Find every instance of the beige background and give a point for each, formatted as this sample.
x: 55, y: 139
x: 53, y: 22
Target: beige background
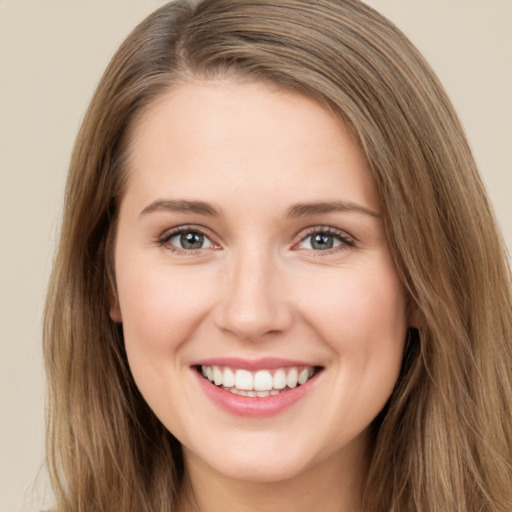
x: 52, y: 53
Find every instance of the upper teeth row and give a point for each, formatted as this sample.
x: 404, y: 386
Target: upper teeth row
x: 262, y: 380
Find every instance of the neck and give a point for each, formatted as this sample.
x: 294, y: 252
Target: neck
x: 333, y: 484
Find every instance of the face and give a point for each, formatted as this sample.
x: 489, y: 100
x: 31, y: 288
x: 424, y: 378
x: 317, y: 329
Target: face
x: 263, y: 317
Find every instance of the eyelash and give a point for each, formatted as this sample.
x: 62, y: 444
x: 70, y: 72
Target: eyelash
x: 164, y: 240
x: 346, y: 241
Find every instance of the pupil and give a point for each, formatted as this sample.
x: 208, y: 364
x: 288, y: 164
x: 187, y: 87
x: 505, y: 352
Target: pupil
x: 192, y: 240
x: 322, y: 242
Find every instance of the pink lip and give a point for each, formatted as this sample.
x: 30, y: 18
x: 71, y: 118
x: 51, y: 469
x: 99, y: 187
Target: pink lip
x: 265, y: 363
x: 253, y: 406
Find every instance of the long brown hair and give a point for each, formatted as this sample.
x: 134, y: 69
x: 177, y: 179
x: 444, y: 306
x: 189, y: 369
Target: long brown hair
x: 444, y: 441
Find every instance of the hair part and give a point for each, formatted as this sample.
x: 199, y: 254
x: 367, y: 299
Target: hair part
x: 444, y: 441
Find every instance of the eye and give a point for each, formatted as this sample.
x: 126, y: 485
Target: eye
x: 186, y: 239
x: 325, y: 239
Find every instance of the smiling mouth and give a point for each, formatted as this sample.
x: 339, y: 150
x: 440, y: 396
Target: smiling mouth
x: 261, y: 383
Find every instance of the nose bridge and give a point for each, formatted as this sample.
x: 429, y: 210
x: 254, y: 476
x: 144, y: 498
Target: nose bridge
x: 254, y: 301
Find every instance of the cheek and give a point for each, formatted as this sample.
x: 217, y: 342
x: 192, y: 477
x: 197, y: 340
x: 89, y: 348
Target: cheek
x: 363, y: 320
x: 358, y: 300
x: 161, y: 308
x: 361, y: 314
x: 161, y: 305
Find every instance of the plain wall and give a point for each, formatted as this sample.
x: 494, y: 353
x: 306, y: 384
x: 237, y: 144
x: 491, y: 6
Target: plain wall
x: 51, y: 56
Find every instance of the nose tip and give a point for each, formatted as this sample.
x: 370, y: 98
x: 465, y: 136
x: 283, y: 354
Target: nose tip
x: 254, y: 303
x: 252, y: 321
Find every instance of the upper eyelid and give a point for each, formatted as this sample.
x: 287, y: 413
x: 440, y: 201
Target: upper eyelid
x: 164, y: 241
x: 304, y: 233
x: 168, y: 233
x: 325, y: 229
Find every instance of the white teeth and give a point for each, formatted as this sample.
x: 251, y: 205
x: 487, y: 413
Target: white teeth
x: 217, y: 376
x: 244, y: 380
x: 292, y: 378
x: 263, y: 381
x: 228, y: 378
x: 303, y: 376
x: 259, y: 384
x: 279, y: 380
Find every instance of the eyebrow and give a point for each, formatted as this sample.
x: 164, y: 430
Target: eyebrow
x: 181, y: 206
x: 308, y: 209
x: 295, y: 211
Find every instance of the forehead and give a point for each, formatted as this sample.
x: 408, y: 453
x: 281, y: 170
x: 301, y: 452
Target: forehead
x: 245, y: 135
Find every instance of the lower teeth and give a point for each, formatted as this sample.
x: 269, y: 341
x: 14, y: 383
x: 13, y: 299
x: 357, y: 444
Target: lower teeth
x: 259, y: 394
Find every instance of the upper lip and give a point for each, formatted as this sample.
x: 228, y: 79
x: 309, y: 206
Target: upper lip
x: 264, y: 363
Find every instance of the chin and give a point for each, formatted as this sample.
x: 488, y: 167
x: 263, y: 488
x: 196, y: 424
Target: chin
x: 250, y: 456
x: 271, y: 469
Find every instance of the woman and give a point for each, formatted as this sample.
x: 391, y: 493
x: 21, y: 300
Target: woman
x: 279, y: 282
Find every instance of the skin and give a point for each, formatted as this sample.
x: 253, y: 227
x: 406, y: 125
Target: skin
x: 258, y: 288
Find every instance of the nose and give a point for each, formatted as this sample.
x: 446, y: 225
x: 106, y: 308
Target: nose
x: 255, y: 303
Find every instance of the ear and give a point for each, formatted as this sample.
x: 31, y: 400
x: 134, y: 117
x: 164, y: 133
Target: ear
x: 115, y: 314
x: 115, y: 310
x: 106, y: 248
x: 416, y: 319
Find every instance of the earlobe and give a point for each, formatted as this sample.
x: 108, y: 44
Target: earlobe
x: 115, y: 314
x: 115, y: 310
x: 415, y: 319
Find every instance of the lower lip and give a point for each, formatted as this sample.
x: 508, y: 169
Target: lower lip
x: 253, y: 406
